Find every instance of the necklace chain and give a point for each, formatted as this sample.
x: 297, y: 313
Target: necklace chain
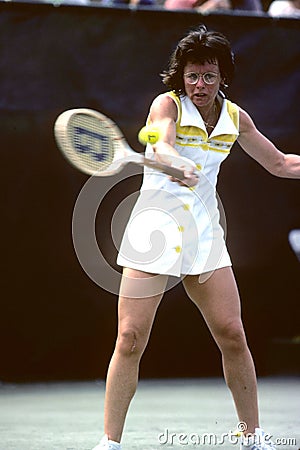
x: 207, y: 125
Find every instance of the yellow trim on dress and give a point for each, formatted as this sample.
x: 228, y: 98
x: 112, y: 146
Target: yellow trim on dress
x: 191, y: 136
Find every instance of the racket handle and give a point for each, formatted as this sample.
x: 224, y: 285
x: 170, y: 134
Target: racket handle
x: 168, y: 170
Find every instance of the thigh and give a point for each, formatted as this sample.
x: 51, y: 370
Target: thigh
x: 140, y: 295
x: 217, y: 299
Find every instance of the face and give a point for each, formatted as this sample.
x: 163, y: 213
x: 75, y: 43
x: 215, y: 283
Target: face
x: 201, y: 93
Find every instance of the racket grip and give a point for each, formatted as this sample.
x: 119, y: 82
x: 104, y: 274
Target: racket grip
x: 168, y: 170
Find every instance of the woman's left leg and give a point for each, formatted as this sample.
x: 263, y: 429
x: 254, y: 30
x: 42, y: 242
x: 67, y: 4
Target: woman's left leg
x: 218, y: 301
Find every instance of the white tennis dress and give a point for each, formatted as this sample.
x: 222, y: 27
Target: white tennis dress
x: 173, y: 229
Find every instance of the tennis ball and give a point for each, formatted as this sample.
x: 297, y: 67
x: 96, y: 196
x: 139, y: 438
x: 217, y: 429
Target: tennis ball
x: 148, y: 135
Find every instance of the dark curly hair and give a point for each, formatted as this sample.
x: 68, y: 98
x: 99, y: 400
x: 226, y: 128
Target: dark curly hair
x: 199, y: 46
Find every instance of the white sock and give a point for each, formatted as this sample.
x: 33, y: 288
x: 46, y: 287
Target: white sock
x: 256, y: 438
x: 114, y: 444
x: 248, y: 441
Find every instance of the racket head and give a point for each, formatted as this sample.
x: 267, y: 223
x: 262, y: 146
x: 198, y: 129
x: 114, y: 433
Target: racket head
x: 89, y: 140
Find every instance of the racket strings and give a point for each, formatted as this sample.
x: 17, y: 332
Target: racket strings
x: 92, y: 141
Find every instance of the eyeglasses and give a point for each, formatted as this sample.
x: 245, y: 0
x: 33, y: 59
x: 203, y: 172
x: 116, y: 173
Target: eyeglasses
x: 207, y: 77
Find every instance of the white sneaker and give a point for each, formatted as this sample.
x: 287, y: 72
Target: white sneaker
x: 107, y: 444
x: 257, y: 441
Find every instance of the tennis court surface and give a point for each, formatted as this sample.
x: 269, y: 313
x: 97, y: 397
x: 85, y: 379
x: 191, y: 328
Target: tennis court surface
x: 165, y: 414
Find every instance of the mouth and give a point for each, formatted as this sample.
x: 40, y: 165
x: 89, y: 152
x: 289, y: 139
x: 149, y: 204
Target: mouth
x: 200, y: 95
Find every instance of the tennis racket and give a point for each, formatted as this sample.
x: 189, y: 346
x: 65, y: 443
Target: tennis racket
x: 94, y: 144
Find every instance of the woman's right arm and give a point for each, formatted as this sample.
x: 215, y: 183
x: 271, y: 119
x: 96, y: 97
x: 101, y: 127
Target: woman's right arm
x: 163, y: 116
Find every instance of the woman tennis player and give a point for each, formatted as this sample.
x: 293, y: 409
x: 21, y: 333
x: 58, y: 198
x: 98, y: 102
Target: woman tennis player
x: 174, y: 228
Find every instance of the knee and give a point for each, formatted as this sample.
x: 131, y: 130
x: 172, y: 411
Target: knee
x: 231, y: 338
x: 130, y: 343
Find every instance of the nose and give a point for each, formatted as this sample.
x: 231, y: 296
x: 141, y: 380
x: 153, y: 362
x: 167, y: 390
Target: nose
x: 200, y: 82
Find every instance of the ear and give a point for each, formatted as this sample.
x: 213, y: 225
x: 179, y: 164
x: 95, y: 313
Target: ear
x: 223, y: 83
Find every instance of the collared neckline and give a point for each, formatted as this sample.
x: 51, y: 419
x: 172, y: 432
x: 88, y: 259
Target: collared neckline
x: 191, y: 117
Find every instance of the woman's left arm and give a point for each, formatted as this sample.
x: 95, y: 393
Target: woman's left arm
x: 264, y: 151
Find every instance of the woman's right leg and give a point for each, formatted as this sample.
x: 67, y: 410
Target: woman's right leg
x: 140, y: 295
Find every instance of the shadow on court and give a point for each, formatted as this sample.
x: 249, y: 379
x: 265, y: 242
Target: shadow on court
x: 165, y: 414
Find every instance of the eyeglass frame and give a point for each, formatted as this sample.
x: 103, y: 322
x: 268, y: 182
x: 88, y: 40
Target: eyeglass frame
x: 201, y: 75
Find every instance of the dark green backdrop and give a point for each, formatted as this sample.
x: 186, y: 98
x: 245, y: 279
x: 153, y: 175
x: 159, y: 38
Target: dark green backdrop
x: 54, y: 321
